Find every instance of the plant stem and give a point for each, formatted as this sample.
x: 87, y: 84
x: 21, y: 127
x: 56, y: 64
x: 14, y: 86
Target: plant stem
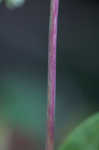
x: 52, y: 73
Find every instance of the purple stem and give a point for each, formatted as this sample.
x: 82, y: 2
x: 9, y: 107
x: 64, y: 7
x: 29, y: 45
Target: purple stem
x: 52, y: 73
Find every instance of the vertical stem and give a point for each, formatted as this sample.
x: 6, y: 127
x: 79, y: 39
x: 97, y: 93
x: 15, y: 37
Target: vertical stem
x: 52, y: 73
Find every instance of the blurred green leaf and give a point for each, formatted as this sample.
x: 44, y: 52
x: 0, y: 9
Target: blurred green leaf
x: 13, y: 3
x: 22, y: 103
x: 85, y: 137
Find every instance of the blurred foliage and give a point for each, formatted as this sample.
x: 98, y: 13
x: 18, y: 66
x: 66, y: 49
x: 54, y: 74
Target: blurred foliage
x: 85, y: 137
x: 22, y: 103
x: 13, y: 3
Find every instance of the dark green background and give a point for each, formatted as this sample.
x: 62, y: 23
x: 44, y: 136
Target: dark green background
x: 23, y: 64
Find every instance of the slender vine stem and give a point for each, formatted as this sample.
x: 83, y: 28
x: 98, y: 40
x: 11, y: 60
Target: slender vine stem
x: 52, y: 73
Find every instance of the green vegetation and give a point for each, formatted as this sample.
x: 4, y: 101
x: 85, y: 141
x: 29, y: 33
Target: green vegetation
x: 13, y: 3
x: 85, y: 137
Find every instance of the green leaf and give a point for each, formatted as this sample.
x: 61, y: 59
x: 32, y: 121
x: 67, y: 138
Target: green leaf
x: 14, y: 3
x: 85, y: 137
